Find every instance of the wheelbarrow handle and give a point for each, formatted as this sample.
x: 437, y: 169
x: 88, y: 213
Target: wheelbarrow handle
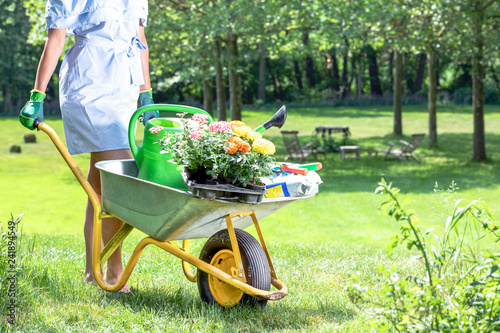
x: 56, y: 140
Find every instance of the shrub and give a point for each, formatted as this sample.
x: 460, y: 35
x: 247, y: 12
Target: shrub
x: 457, y: 289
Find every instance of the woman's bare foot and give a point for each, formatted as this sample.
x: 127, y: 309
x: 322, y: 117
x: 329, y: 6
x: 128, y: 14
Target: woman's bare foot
x: 112, y: 280
x: 89, y: 278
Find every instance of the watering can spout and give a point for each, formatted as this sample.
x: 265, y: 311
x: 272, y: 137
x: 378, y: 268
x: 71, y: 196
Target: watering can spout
x: 277, y: 120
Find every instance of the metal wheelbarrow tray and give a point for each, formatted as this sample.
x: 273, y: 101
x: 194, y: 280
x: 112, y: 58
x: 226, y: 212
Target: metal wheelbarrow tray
x: 233, y: 267
x: 165, y: 213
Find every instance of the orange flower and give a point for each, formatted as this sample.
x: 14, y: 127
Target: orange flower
x: 244, y: 147
x: 231, y: 148
x: 235, y: 144
x: 234, y: 139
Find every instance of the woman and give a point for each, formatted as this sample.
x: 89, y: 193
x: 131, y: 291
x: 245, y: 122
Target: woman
x: 100, y: 79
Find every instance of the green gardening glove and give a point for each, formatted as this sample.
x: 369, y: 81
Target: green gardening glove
x: 146, y: 97
x: 32, y: 110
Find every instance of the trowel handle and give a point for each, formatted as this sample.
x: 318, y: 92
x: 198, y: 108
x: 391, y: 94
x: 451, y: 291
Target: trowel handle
x: 278, y: 119
x: 158, y: 107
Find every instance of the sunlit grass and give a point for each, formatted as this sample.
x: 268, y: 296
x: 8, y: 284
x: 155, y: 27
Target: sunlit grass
x: 38, y: 182
x: 317, y: 245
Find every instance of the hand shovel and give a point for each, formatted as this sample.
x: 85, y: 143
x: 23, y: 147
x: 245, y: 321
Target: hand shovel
x: 277, y: 120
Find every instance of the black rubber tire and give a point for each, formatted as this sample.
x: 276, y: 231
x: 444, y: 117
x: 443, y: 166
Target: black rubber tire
x: 255, y: 264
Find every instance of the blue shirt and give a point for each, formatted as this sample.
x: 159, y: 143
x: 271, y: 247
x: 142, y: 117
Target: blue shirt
x: 100, y: 75
x: 72, y: 14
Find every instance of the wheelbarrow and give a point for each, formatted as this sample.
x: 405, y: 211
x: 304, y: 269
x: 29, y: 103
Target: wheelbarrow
x: 233, y: 267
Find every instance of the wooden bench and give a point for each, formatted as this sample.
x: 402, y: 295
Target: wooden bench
x: 349, y: 149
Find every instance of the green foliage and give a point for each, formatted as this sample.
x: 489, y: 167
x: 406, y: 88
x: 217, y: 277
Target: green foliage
x: 455, y: 288
x: 181, y: 35
x: 19, y: 56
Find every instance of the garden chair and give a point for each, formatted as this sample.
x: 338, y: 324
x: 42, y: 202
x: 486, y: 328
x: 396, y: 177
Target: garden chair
x: 404, y: 151
x: 295, y: 150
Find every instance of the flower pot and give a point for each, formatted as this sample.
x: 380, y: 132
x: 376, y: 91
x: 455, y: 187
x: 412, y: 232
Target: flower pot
x: 222, y: 188
x: 199, y: 175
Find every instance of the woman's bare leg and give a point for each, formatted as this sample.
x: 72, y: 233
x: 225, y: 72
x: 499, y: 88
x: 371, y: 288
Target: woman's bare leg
x: 110, y: 226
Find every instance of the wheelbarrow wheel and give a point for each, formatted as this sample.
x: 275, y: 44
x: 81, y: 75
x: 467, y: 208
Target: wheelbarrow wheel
x: 218, y: 252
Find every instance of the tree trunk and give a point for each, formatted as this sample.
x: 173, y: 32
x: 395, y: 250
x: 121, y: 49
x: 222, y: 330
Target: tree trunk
x: 432, y: 94
x: 281, y: 94
x: 261, y: 95
x: 398, y: 94
x: 309, y: 63
x: 273, y: 79
x: 219, y: 81
x: 179, y: 91
x: 495, y: 78
x: 335, y: 71
x: 371, y: 55
x: 420, y: 73
x: 359, y: 77
x: 208, y: 99
x: 234, y: 77
x: 298, y: 74
x: 390, y: 76
x: 345, y: 84
x: 478, y: 146
x: 7, y: 101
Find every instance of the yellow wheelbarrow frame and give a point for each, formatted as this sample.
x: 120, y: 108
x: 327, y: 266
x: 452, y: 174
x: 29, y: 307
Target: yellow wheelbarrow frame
x: 235, y: 279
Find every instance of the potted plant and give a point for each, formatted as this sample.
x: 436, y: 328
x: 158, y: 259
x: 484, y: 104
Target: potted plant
x: 220, y: 151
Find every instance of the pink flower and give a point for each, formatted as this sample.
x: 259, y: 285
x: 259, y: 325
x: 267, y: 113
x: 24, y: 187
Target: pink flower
x: 155, y: 129
x: 220, y: 127
x: 195, y: 134
x: 201, y: 118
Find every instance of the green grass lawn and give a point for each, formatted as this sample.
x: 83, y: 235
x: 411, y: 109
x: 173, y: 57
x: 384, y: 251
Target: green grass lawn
x: 316, y: 245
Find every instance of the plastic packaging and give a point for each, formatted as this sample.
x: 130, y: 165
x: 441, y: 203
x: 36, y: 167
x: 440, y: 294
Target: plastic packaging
x: 291, y: 185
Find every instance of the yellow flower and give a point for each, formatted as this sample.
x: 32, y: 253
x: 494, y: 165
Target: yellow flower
x: 236, y: 123
x: 264, y: 147
x: 242, y: 131
x: 252, y: 136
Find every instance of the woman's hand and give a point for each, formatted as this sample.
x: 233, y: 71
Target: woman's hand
x: 33, y: 109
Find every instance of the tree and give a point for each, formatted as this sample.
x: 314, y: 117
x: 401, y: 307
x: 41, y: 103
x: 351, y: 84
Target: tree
x: 394, y: 19
x: 476, y: 23
x: 429, y: 26
x: 371, y: 55
x: 19, y: 56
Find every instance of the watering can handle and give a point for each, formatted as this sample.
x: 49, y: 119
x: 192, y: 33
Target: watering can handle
x: 158, y: 107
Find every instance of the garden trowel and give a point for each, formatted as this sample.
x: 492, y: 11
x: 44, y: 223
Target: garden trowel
x: 277, y: 120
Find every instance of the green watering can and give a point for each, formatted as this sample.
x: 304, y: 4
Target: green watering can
x: 153, y: 165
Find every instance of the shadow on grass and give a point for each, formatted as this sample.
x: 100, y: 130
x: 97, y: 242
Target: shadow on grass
x: 276, y: 315
x: 86, y: 306
x: 52, y: 295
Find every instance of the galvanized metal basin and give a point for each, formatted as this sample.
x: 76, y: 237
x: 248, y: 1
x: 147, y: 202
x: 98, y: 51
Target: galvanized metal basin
x: 166, y: 213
